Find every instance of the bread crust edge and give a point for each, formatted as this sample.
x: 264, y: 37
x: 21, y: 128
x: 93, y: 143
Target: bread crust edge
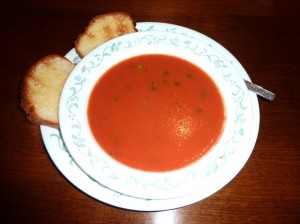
x: 26, y: 104
x: 84, y: 32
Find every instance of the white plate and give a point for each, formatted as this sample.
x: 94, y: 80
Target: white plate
x: 68, y: 167
x: 74, y: 125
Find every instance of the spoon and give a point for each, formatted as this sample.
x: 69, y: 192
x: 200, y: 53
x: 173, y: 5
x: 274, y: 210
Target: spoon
x: 260, y: 91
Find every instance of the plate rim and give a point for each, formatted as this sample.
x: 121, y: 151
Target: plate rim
x: 252, y: 97
x: 154, y: 185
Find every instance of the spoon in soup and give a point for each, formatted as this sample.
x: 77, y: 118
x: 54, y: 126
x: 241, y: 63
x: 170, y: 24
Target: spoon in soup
x: 266, y: 94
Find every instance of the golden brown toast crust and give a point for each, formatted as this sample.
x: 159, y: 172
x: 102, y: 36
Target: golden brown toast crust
x: 41, y: 88
x: 42, y: 85
x: 103, y: 28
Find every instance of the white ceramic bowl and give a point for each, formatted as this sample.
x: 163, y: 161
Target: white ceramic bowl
x: 152, y: 185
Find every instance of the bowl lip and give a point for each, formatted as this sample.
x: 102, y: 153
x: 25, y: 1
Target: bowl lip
x: 139, y: 173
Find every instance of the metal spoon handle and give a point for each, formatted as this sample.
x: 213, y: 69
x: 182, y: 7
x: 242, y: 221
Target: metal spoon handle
x: 260, y: 91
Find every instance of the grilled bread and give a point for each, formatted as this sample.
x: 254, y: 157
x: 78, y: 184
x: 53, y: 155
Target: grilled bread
x: 42, y: 85
x: 103, y: 28
x: 41, y: 89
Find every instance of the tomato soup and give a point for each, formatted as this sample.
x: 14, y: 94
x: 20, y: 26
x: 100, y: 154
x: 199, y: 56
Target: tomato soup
x: 156, y: 112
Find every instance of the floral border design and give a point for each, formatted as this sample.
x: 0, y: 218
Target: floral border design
x: 150, y: 39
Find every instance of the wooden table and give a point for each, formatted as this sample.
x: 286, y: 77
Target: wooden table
x: 263, y: 35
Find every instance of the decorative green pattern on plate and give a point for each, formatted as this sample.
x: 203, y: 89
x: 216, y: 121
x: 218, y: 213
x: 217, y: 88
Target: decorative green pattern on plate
x: 77, y: 137
x: 94, y: 189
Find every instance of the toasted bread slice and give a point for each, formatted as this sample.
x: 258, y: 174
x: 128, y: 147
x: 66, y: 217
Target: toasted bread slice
x: 103, y: 28
x: 41, y: 89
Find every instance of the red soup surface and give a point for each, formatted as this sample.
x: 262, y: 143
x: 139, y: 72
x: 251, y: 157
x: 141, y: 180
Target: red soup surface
x: 156, y: 112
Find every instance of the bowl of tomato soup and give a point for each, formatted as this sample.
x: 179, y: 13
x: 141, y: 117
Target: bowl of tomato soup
x: 156, y: 112
x: 147, y: 114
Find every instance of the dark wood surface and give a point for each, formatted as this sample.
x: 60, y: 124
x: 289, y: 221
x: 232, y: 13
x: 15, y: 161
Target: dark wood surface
x: 262, y: 34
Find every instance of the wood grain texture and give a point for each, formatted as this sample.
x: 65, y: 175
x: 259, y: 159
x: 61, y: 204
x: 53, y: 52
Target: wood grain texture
x: 262, y: 34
